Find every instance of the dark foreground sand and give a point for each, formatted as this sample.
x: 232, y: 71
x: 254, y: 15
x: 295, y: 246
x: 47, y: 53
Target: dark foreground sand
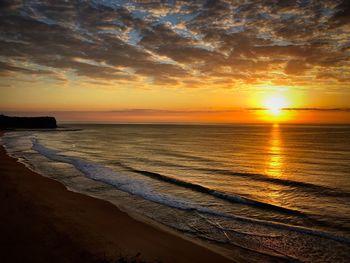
x: 41, y: 221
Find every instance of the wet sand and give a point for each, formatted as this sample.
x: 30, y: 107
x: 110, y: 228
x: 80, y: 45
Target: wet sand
x: 41, y: 221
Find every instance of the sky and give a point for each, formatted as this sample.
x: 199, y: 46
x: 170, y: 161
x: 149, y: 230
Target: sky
x: 222, y: 61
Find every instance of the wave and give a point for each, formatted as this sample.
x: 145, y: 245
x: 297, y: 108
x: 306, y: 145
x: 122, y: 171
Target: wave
x: 234, y: 198
x: 142, y: 189
x: 224, y: 196
x: 124, y: 183
x: 297, y: 185
x: 317, y: 189
x: 301, y: 186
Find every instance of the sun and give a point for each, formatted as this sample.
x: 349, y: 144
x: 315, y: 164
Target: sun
x: 275, y: 104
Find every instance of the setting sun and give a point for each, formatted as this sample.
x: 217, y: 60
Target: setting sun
x: 275, y: 104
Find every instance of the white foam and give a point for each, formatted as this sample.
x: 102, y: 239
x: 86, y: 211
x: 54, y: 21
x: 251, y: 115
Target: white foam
x: 124, y: 183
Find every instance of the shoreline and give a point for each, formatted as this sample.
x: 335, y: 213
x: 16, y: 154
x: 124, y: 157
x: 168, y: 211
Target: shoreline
x: 43, y: 221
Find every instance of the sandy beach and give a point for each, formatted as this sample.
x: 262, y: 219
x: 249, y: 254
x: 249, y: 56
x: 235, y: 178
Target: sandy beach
x: 42, y: 221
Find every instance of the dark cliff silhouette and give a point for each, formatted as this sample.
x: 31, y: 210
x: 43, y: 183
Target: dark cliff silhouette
x: 7, y: 122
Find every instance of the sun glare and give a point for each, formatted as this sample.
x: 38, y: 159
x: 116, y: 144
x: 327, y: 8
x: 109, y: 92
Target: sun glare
x: 275, y: 104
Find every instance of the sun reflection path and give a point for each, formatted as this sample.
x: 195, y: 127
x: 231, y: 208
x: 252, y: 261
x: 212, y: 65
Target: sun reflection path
x: 274, y: 167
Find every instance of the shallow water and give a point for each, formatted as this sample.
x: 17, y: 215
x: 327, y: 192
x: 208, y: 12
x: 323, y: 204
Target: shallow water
x: 265, y: 192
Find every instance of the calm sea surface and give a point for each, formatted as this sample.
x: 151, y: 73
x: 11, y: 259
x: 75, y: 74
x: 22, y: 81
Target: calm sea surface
x: 265, y: 192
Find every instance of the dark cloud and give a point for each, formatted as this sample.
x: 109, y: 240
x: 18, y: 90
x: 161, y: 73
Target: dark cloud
x: 342, y: 14
x: 296, y: 67
x: 181, y: 42
x: 7, y: 69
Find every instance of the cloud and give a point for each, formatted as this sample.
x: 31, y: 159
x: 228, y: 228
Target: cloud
x: 296, y: 67
x: 342, y: 15
x: 179, y: 42
x: 319, y: 109
x: 7, y: 68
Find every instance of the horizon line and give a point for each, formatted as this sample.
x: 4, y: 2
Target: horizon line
x: 150, y: 110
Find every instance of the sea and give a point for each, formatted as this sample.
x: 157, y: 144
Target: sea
x: 255, y: 193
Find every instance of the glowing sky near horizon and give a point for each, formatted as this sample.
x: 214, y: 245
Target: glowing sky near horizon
x: 205, y: 61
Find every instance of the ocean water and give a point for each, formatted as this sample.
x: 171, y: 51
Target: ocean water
x: 257, y: 193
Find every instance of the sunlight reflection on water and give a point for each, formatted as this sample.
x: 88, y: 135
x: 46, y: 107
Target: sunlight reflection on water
x: 275, y: 162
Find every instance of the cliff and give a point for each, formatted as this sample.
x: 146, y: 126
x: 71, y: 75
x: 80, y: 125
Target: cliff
x: 7, y: 122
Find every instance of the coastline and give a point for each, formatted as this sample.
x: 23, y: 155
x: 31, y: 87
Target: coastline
x: 42, y: 221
